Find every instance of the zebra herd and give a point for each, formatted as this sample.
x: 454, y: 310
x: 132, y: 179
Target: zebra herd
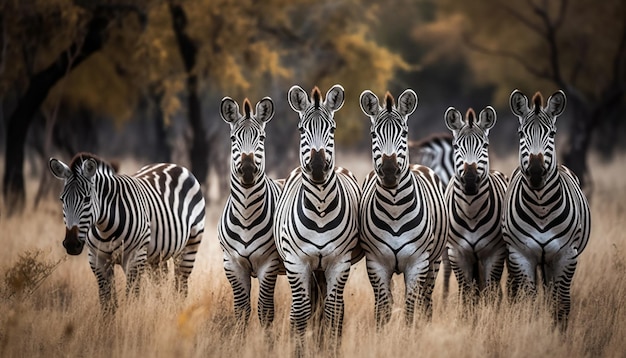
x: 312, y: 226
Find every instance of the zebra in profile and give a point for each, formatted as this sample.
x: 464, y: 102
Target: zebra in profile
x: 402, y: 212
x: 316, y: 223
x: 474, y: 199
x: 436, y: 152
x: 546, y: 219
x: 154, y: 215
x: 245, y: 227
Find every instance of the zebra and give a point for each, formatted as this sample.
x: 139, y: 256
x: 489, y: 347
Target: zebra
x: 402, y: 212
x: 154, y: 215
x: 474, y: 199
x: 316, y: 223
x: 436, y: 152
x: 245, y: 228
x: 546, y: 220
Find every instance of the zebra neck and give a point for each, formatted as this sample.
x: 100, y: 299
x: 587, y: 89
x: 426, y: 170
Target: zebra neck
x: 319, y: 197
x: 117, y: 195
x: 472, y: 203
x: 248, y: 199
x: 551, y: 191
x: 404, y: 188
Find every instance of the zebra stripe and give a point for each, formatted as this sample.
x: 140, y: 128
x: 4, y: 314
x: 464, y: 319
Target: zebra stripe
x: 316, y: 223
x: 245, y: 227
x: 436, y: 152
x: 474, y: 199
x: 546, y: 215
x: 402, y: 213
x: 150, y: 217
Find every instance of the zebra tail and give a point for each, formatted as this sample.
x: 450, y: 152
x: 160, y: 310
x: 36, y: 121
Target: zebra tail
x: 318, y: 295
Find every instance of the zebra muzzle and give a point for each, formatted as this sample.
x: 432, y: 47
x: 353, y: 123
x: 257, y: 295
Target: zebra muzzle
x: 72, y: 244
x: 318, y: 166
x: 470, y: 178
x: 389, y: 171
x: 536, y: 170
x: 247, y: 170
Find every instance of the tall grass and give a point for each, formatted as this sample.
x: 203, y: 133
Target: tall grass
x: 53, y: 308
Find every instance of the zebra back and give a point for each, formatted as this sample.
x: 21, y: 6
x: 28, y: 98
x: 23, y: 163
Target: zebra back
x: 435, y: 152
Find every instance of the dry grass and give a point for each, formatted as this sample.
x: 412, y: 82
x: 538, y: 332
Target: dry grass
x: 54, y: 311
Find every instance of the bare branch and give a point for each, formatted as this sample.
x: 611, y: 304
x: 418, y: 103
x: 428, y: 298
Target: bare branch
x: 519, y: 17
x: 521, y: 60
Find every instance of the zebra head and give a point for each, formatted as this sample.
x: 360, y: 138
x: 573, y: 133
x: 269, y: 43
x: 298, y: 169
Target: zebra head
x: 389, y: 130
x: 471, y: 145
x: 247, y: 135
x: 78, y: 198
x: 317, y: 129
x: 537, y: 129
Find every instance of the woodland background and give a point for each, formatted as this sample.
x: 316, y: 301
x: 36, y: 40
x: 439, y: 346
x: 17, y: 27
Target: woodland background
x: 143, y: 79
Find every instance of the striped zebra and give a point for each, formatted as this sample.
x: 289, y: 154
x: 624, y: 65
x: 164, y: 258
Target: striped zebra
x: 402, y: 212
x: 316, y: 223
x: 245, y: 227
x: 149, y: 217
x: 436, y: 152
x: 546, y: 219
x: 474, y: 199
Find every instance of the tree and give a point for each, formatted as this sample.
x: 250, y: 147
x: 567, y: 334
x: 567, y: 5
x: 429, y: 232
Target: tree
x: 576, y: 45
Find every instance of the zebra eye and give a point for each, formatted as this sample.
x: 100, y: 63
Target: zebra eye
x: 455, y: 146
x: 332, y: 130
x: 261, y: 137
x: 552, y: 134
x: 232, y: 138
x: 86, y: 199
x: 301, y: 129
x: 373, y: 135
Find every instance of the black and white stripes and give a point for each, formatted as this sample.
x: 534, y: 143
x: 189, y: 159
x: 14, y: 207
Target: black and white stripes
x: 316, y: 224
x: 402, y: 213
x: 245, y: 229
x: 474, y: 199
x: 546, y: 216
x: 150, y: 217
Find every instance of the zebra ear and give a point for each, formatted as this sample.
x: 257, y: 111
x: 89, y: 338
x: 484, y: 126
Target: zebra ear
x: 407, y: 102
x: 454, y: 119
x: 298, y: 99
x: 89, y: 168
x: 229, y: 110
x: 265, y: 110
x: 369, y: 103
x: 519, y: 103
x: 556, y: 103
x: 487, y: 119
x: 335, y: 98
x: 59, y: 169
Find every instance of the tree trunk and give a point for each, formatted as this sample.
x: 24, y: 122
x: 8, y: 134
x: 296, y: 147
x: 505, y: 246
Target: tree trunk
x: 199, y: 151
x: 37, y: 91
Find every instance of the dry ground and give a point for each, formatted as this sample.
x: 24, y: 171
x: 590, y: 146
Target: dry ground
x: 54, y: 311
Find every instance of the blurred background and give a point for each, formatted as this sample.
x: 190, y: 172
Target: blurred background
x: 143, y: 80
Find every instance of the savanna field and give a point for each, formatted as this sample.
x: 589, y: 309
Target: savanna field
x: 49, y: 303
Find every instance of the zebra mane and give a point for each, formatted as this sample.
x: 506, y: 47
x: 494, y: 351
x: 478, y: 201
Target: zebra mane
x: 538, y: 102
x: 247, y: 108
x: 389, y: 101
x: 79, y: 158
x: 317, y: 96
x: 470, y: 117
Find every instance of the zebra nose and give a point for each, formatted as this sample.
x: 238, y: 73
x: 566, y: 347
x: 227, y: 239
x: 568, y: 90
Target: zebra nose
x: 71, y: 243
x: 248, y: 169
x: 536, y: 170
x: 469, y: 179
x: 318, y: 165
x: 389, y: 170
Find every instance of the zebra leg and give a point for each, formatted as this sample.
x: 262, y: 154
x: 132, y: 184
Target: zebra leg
x: 419, y: 282
x: 299, y: 277
x: 559, y: 273
x: 336, y: 278
x: 522, y: 273
x: 267, y: 283
x: 103, y: 270
x: 493, y: 266
x: 447, y: 272
x: 134, y: 267
x: 183, y: 265
x: 464, y: 265
x: 240, y: 281
x: 380, y: 279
